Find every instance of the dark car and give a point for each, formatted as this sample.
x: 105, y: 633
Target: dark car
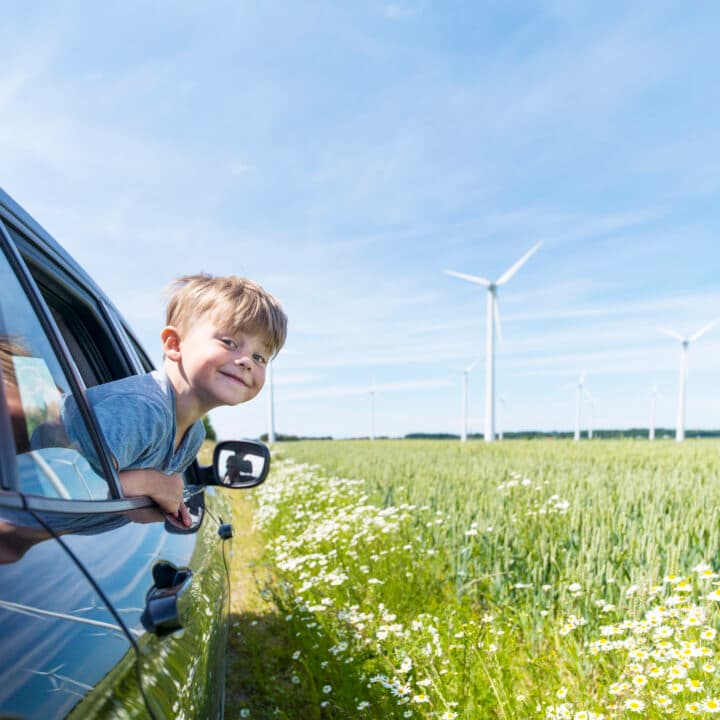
x: 106, y: 609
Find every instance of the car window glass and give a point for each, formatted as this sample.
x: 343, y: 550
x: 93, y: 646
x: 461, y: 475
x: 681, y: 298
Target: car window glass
x: 37, y: 392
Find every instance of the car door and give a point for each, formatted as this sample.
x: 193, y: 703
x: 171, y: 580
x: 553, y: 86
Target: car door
x: 165, y: 588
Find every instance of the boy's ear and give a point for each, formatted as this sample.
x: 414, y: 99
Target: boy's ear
x: 170, y: 338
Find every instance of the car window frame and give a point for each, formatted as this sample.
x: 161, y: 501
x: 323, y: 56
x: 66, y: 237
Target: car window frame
x: 11, y: 253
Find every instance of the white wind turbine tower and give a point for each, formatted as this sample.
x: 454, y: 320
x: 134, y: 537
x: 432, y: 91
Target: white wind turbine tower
x: 503, y: 402
x: 579, y: 391
x: 684, y: 345
x: 372, y: 410
x: 271, y: 404
x: 653, y: 406
x: 493, y: 319
x: 464, y: 400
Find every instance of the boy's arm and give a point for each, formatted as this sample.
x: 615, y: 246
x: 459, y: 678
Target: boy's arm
x: 165, y: 490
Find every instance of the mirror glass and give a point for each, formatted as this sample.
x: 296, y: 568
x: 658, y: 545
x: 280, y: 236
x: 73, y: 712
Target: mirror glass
x: 240, y: 464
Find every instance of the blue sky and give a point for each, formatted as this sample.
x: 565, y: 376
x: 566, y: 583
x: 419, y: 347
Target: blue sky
x: 344, y: 154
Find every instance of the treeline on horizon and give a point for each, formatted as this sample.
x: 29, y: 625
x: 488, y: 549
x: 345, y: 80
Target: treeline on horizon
x: 634, y: 433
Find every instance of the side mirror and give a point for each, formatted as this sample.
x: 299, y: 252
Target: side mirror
x: 240, y: 463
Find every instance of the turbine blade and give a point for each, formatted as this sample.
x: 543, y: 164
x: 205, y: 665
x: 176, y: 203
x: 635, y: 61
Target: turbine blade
x: 498, y: 324
x: 472, y: 365
x: 703, y: 330
x: 672, y: 334
x: 470, y: 278
x: 514, y: 268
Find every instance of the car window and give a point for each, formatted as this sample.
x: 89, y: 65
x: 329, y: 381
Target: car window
x: 36, y: 391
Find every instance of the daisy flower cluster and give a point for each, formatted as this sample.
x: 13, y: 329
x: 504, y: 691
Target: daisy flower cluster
x: 665, y: 661
x: 334, y: 554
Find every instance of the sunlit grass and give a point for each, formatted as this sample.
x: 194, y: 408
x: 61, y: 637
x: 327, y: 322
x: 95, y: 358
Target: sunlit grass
x: 432, y: 579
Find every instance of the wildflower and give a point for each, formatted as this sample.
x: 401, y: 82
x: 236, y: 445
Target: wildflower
x: 711, y: 705
x: 244, y: 712
x: 675, y: 688
x: 677, y: 672
x: 634, y: 705
x: 420, y: 698
x: 561, y: 693
x: 363, y: 705
x: 662, y: 701
x: 327, y: 689
x: 708, y: 634
x: 708, y: 668
x: 448, y: 715
x: 694, y: 685
x: 295, y: 680
x: 692, y: 708
x: 639, y: 681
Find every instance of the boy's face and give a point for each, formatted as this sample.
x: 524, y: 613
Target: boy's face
x: 222, y: 367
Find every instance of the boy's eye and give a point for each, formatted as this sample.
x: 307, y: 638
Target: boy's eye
x: 228, y: 342
x: 259, y: 359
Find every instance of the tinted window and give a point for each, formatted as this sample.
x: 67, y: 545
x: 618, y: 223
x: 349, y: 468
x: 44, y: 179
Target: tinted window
x: 36, y: 390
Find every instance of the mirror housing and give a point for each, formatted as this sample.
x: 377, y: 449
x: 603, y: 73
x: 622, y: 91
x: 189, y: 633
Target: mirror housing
x: 240, y: 463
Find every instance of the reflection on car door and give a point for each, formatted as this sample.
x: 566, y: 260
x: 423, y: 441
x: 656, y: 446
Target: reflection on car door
x: 58, y: 639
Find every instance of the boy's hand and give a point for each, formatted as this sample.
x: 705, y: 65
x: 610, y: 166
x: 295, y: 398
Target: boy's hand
x: 165, y: 490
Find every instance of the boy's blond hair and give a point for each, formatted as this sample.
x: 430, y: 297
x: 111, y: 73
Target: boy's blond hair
x: 231, y: 301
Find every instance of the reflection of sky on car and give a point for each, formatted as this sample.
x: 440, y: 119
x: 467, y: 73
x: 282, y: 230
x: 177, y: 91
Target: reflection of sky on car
x: 46, y: 631
x: 36, y: 385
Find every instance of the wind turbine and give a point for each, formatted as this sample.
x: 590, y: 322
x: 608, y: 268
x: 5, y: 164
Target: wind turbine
x: 579, y: 388
x: 503, y: 402
x: 464, y: 399
x: 684, y: 345
x: 493, y: 319
x: 653, y: 405
x: 271, y: 405
x: 372, y: 410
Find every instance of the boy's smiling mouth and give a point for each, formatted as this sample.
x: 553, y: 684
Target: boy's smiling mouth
x: 236, y: 378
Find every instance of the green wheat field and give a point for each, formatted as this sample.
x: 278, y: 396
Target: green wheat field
x: 536, y: 579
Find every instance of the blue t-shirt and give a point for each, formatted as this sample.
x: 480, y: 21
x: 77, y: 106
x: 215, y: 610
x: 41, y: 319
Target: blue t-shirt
x: 137, y: 418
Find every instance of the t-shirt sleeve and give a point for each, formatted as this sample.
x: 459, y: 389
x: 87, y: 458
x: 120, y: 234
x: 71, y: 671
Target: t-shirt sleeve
x: 133, y: 426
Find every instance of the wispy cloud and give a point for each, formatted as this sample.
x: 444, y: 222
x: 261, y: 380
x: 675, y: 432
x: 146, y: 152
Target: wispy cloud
x: 396, y: 11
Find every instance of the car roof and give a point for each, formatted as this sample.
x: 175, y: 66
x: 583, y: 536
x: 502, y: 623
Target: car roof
x: 41, y: 238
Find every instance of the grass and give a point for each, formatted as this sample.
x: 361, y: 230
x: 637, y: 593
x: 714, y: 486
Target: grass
x: 438, y: 580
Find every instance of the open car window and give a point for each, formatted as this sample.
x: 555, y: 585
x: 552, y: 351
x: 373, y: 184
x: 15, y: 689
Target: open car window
x: 37, y: 390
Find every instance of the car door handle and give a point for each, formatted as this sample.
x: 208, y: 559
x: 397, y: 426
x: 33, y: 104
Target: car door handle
x: 161, y: 615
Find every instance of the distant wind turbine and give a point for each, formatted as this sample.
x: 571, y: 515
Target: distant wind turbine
x: 464, y: 400
x: 503, y: 402
x: 684, y: 345
x: 653, y: 406
x: 493, y: 320
x: 271, y: 405
x: 579, y: 386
